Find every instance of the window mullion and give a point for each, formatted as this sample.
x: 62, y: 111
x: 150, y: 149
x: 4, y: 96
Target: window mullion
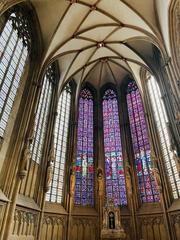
x: 156, y: 99
x: 12, y: 82
x: 9, y: 63
x: 7, y: 42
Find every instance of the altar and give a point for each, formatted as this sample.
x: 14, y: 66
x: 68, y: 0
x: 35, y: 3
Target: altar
x: 112, y: 228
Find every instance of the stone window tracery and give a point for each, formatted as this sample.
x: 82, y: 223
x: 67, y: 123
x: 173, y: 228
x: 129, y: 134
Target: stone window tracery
x: 114, y: 166
x: 141, y: 145
x: 161, y: 119
x: 42, y: 113
x: 84, y: 189
x: 15, y: 45
x: 55, y: 194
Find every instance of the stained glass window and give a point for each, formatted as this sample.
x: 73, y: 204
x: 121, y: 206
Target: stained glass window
x: 161, y: 123
x: 41, y: 115
x: 55, y: 194
x: 141, y: 145
x: 84, y: 192
x: 14, y: 46
x: 115, y: 179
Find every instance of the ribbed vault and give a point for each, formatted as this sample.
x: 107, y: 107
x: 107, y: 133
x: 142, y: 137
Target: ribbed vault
x: 94, y: 38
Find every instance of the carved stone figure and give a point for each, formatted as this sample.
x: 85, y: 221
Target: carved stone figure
x: 24, y: 165
x: 174, y: 149
x: 176, y: 109
x: 154, y: 159
x: 155, y: 173
x: 100, y: 182
x: 49, y: 171
x: 111, y: 220
x: 171, y: 138
x: 49, y: 175
x: 105, y: 218
x: 52, y: 154
x: 72, y: 182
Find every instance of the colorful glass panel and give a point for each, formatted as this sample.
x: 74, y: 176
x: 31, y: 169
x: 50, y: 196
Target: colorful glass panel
x: 84, y: 193
x: 141, y: 145
x: 115, y: 179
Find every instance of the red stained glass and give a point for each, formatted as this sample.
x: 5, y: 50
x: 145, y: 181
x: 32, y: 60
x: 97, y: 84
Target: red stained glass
x: 115, y: 180
x: 84, y: 192
x: 141, y: 146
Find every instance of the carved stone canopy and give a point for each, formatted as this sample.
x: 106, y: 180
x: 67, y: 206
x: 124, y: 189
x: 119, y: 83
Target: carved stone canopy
x: 112, y: 228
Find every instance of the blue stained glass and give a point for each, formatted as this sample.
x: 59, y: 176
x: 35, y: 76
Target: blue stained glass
x: 141, y: 146
x: 84, y: 192
x: 115, y: 179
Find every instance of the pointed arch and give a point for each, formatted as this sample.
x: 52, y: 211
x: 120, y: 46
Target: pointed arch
x: 15, y: 45
x: 162, y: 121
x: 114, y: 165
x: 84, y: 192
x: 55, y: 193
x: 141, y: 145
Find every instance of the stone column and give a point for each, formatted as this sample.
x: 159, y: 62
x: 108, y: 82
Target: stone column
x: 100, y: 177
x: 128, y: 158
x: 72, y: 171
x: 158, y: 168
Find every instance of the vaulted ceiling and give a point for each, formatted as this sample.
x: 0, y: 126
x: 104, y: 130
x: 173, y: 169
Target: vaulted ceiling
x: 100, y: 41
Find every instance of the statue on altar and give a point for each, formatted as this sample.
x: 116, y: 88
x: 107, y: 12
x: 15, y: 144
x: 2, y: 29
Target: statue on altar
x: 112, y: 228
x: 111, y: 220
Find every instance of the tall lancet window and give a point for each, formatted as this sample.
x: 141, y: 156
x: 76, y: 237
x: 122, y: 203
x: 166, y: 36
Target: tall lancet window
x: 55, y: 194
x: 84, y: 192
x: 42, y: 114
x: 15, y: 44
x: 115, y: 179
x: 141, y: 145
x: 161, y: 123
